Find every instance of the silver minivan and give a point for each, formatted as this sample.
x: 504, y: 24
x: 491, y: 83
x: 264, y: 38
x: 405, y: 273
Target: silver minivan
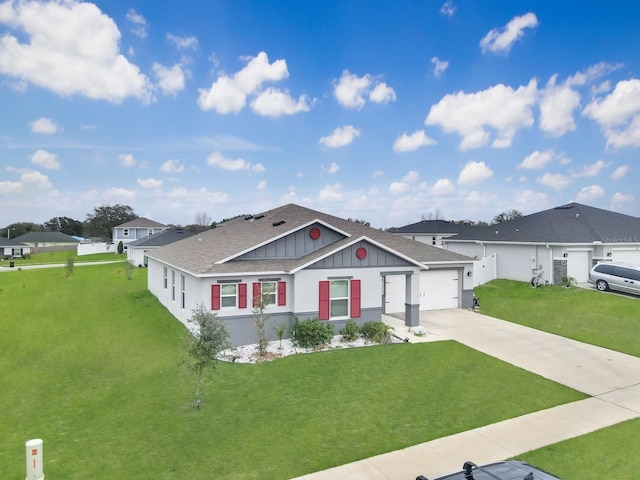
x: 623, y: 277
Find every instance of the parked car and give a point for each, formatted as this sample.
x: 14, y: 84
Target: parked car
x: 623, y: 277
x: 508, y: 470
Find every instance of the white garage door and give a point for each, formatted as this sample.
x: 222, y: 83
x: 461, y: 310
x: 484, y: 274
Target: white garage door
x: 394, y: 293
x: 439, y: 289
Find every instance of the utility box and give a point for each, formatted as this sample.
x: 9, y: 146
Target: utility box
x: 34, y: 459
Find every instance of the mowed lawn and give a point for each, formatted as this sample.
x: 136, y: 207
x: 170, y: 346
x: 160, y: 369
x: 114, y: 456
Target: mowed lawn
x: 91, y: 364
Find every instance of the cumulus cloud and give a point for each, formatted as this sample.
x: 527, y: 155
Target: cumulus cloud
x: 275, y: 103
x: 531, y: 200
x: 409, y: 143
x: 556, y: 181
x: 217, y: 159
x: 127, y: 160
x: 618, y: 114
x: 412, y: 176
x: 620, y: 172
x: 332, y: 169
x: 172, y: 166
x: 399, y: 187
x: 619, y: 199
x: 70, y: 48
x: 140, y: 26
x: 589, y: 193
x: 170, y: 80
x: 198, y: 197
x: 440, y: 66
x: 340, y: 137
x: 442, y: 187
x: 183, y: 43
x: 45, y: 160
x: 591, y: 170
x: 556, y: 108
x: 474, y: 172
x: 149, y: 183
x: 536, y: 160
x: 447, y: 9
x: 350, y: 91
x: 501, y: 40
x: 262, y: 185
x: 499, y: 107
x: 331, y: 193
x: 44, y: 125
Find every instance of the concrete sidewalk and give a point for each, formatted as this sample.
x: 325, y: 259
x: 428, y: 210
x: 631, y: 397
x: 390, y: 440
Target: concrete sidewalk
x: 611, y: 378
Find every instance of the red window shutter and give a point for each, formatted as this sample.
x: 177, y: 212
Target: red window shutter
x: 257, y: 292
x: 355, y: 299
x: 282, y: 293
x: 324, y: 300
x: 242, y: 295
x: 215, y: 297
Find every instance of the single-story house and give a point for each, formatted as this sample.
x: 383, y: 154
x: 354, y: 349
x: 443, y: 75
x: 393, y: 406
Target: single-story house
x: 138, y: 249
x: 432, y: 232
x: 549, y: 245
x: 135, y: 230
x: 48, y: 239
x: 12, y: 248
x: 307, y: 264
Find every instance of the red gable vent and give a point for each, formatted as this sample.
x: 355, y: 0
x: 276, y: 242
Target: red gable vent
x: 314, y: 233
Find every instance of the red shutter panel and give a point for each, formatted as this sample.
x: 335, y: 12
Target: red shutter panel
x: 355, y: 299
x: 242, y: 295
x: 257, y: 292
x: 324, y: 300
x: 282, y: 293
x: 215, y: 297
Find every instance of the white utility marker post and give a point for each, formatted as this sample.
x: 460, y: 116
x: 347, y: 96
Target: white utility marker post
x: 34, y: 459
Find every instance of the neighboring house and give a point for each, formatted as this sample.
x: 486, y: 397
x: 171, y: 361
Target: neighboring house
x: 432, y: 232
x: 48, y: 239
x: 138, y: 249
x: 135, y: 230
x: 307, y: 264
x: 12, y: 248
x: 563, y: 241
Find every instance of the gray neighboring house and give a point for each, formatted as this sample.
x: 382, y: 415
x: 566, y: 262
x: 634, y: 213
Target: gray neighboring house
x: 432, y: 232
x: 563, y: 241
x: 138, y: 249
x: 48, y: 239
x: 306, y: 264
x: 11, y: 248
x: 135, y: 230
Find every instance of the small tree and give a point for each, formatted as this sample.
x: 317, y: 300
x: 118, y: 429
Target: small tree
x: 204, y: 344
x: 120, y: 247
x: 128, y: 270
x: 260, y: 303
x: 280, y: 330
x: 69, y: 266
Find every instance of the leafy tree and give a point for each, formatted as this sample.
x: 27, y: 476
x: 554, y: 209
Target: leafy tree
x: 506, y: 216
x: 16, y: 229
x: 472, y: 223
x: 204, y: 344
x: 120, y: 247
x: 101, y: 221
x: 66, y: 225
x: 359, y: 221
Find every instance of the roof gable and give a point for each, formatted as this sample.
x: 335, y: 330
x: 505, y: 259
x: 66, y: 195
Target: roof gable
x: 141, y: 222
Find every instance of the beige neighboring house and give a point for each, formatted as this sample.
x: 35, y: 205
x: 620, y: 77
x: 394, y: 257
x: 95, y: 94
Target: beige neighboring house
x: 135, y: 230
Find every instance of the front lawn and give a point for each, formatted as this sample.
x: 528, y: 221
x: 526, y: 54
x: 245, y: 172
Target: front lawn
x: 91, y: 365
x: 610, y: 321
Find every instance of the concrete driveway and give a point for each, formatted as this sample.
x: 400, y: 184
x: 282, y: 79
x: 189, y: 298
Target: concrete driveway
x: 612, y: 379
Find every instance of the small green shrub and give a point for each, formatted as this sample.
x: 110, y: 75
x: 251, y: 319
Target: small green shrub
x: 368, y: 330
x: 26, y: 256
x: 350, y: 332
x: 378, y: 332
x: 312, y: 333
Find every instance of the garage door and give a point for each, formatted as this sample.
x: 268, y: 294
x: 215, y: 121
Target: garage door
x: 439, y: 289
x: 578, y: 265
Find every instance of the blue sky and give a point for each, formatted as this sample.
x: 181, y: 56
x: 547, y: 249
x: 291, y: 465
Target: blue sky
x: 386, y: 111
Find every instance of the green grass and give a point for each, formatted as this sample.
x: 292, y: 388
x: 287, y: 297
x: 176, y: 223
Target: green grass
x: 45, y: 258
x: 91, y: 365
x: 610, y: 321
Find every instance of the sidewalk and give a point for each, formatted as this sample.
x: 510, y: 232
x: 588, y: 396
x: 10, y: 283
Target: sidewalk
x: 611, y: 378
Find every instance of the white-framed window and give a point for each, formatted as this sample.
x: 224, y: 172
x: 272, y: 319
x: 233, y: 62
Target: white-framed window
x: 268, y: 292
x: 149, y: 232
x: 228, y: 295
x: 183, y: 289
x: 173, y: 285
x: 339, y: 299
x: 125, y: 232
x: 165, y: 277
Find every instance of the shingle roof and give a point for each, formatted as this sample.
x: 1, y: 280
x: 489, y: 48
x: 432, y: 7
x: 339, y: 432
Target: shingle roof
x: 572, y: 223
x: 141, y: 223
x: 162, y: 238
x: 11, y: 242
x: 435, y: 227
x: 49, y: 237
x: 200, y: 254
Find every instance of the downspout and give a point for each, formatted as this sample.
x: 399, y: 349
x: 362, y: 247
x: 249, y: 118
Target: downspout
x: 550, y: 265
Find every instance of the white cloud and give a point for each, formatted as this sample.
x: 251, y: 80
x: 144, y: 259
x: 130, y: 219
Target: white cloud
x: 556, y: 181
x: 44, y: 125
x: 536, y: 160
x: 556, y: 108
x: 35, y: 181
x: 257, y: 168
x: 127, y: 160
x: 502, y: 40
x: 442, y: 187
x: 382, y: 93
x: 340, y: 137
x: 333, y: 168
x: 474, y: 172
x: 10, y: 188
x: 262, y: 185
x: 440, y: 66
x: 217, y: 159
x: 619, y: 199
x: 139, y: 23
x: 149, y: 183
x: 620, y: 172
x: 183, y: 43
x: 172, y: 166
x: 447, y: 8
x: 46, y: 160
x: 170, y: 79
x: 274, y: 103
x: 398, y: 187
x: 198, y: 197
x: 589, y: 193
x: 618, y: 114
x: 228, y: 94
x: 499, y: 107
x: 531, y: 200
x: 591, y: 170
x: 377, y: 173
x: 409, y: 143
x: 412, y: 176
x: 331, y: 193
x: 70, y: 48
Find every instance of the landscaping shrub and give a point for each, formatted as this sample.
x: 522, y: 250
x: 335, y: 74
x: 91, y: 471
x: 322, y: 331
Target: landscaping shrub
x: 378, y: 332
x: 368, y: 330
x: 312, y: 333
x: 350, y: 332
